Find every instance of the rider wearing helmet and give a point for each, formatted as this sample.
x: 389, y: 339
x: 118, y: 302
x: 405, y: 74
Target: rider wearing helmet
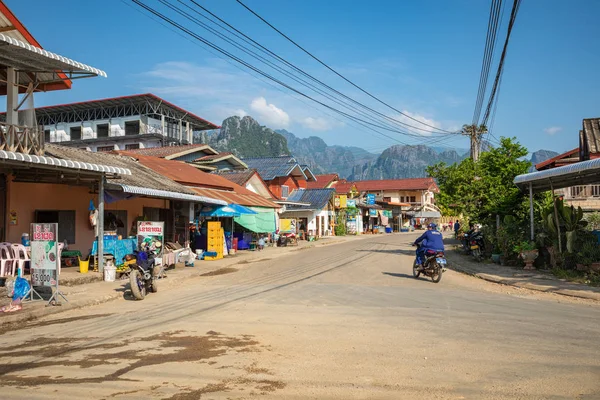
x: 430, y: 240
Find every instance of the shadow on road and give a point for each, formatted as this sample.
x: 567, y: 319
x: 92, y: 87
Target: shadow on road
x: 392, y: 251
x: 396, y: 275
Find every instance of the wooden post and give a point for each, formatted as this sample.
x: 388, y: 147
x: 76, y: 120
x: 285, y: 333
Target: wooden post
x: 556, y: 219
x: 531, y: 212
x: 100, y: 253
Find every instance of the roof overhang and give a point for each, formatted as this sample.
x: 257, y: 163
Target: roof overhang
x: 165, y: 194
x: 425, y: 214
x: 581, y: 173
x: 309, y: 174
x: 296, y: 171
x: 192, y: 150
x: 20, y: 159
x: 40, y: 67
x: 291, y: 203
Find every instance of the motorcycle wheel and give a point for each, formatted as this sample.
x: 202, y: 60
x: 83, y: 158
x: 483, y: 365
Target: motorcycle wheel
x: 437, y: 274
x: 416, y: 272
x: 154, y: 286
x: 138, y: 286
x: 478, y: 255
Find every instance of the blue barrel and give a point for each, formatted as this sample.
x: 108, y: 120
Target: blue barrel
x: 388, y: 230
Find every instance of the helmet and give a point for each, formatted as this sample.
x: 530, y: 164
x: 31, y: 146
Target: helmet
x: 432, y: 225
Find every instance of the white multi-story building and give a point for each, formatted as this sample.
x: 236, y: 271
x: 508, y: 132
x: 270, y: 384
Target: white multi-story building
x: 121, y: 123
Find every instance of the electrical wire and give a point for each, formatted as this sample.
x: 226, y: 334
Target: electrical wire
x: 335, y: 72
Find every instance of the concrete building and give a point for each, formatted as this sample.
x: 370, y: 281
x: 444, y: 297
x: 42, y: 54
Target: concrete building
x: 120, y: 123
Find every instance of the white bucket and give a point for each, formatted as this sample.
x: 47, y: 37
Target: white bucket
x: 199, y: 253
x: 110, y: 274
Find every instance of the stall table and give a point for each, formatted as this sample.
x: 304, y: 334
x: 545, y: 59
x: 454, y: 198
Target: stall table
x: 118, y: 248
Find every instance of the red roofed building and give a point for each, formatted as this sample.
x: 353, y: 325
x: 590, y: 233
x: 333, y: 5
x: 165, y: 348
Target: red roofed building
x: 323, y: 181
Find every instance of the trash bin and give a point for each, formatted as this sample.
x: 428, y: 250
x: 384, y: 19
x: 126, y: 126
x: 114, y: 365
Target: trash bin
x: 388, y: 230
x: 84, y: 265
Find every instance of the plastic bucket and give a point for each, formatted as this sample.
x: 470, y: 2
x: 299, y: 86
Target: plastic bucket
x: 110, y: 274
x: 84, y: 266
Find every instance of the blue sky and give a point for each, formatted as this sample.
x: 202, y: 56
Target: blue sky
x: 422, y: 57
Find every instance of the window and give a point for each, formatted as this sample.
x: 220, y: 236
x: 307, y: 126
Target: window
x: 102, y: 130
x: 65, y: 220
x: 116, y: 220
x: 388, y: 199
x: 47, y: 135
x: 285, y: 191
x: 132, y: 128
x: 75, y: 133
x: 413, y: 199
x: 133, y: 146
x: 105, y: 148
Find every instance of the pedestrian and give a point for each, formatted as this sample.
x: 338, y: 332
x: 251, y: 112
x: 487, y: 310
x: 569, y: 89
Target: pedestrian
x: 261, y: 243
x: 456, y: 229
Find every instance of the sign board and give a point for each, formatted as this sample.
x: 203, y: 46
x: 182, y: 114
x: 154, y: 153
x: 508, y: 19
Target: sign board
x: 343, y: 200
x: 388, y: 213
x: 336, y: 201
x: 44, y: 254
x: 151, y: 235
x: 287, y: 225
x: 351, y: 203
x: 372, y: 212
x: 370, y: 199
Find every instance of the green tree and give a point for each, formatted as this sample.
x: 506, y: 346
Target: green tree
x: 481, y: 190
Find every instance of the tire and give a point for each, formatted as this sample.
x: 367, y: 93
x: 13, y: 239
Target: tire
x: 154, y: 286
x: 416, y: 272
x: 477, y: 255
x: 138, y: 286
x: 438, y: 277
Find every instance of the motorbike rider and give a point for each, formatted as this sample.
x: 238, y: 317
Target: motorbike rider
x: 432, y: 239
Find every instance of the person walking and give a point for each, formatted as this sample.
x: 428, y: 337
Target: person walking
x: 456, y: 229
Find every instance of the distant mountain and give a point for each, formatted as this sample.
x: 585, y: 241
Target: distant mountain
x: 245, y: 137
x: 322, y: 158
x: 399, y: 162
x: 541, y: 156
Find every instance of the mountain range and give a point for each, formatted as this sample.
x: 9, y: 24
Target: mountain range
x: 245, y: 137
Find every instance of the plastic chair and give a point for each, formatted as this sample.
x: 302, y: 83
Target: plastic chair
x: 20, y: 256
x: 6, y: 257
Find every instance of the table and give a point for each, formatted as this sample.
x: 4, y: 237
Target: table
x: 118, y: 248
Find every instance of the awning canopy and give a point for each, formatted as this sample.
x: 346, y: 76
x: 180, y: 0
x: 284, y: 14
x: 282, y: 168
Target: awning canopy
x: 164, y: 194
x: 21, y: 159
x: 581, y: 173
x: 261, y: 222
x: 425, y: 214
x: 232, y: 210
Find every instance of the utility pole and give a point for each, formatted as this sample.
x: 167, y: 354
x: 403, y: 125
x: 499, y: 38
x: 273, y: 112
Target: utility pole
x: 475, y: 134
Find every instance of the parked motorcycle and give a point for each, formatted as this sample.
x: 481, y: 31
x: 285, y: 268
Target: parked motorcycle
x: 433, y: 267
x: 141, y: 277
x: 477, y: 245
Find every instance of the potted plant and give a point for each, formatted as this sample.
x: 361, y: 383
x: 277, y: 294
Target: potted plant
x: 588, y: 257
x: 528, y: 253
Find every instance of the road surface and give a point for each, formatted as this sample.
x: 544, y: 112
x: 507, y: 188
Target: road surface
x: 345, y: 321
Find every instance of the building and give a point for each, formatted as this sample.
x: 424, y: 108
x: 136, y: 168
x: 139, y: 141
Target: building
x: 120, y: 123
x: 316, y: 214
x: 282, y: 174
x: 250, y: 179
x: 323, y: 181
x: 585, y: 196
x: 419, y: 193
x: 201, y: 156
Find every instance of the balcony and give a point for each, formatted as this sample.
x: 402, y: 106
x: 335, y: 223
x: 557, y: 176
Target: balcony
x: 21, y: 139
x: 582, y: 192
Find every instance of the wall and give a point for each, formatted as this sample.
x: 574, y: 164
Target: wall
x: 290, y: 181
x: 312, y: 219
x: 25, y: 198
x: 256, y: 185
x: 62, y: 132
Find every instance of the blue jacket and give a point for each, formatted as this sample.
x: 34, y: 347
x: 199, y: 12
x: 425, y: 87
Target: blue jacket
x: 456, y: 226
x: 431, y: 240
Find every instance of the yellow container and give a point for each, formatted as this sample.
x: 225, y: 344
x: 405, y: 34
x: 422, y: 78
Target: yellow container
x: 84, y: 266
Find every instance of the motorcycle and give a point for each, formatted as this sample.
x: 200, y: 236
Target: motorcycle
x: 433, y: 267
x: 477, y: 245
x: 141, y: 277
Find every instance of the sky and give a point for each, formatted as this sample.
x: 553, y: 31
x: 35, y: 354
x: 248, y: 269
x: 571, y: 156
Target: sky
x: 423, y: 58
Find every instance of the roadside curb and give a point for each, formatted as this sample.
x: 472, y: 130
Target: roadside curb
x: 523, y: 285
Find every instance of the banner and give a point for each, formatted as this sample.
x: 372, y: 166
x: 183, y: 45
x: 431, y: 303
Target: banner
x: 44, y: 254
x: 287, y: 225
x: 151, y: 235
x: 351, y: 203
x: 372, y: 212
x: 370, y: 199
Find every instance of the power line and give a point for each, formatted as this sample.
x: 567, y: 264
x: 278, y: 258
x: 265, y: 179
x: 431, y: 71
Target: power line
x: 240, y: 35
x: 337, y: 73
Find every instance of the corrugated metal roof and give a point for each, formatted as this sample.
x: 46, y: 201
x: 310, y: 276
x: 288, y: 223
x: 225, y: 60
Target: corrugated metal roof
x: 62, y: 163
x: 270, y: 168
x: 232, y: 197
x: 174, y: 151
x: 237, y: 177
x: 170, y: 195
x: 317, y: 198
x: 581, y: 173
x: 322, y: 181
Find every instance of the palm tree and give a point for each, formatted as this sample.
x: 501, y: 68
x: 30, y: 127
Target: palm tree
x: 475, y: 133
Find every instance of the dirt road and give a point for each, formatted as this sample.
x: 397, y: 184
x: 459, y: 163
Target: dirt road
x: 342, y: 321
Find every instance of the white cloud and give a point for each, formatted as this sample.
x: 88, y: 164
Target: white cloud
x: 318, y: 124
x: 419, y: 123
x: 240, y: 113
x: 272, y: 116
x: 553, y: 130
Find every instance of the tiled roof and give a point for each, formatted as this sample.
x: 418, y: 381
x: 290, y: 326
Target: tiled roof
x: 238, y: 177
x: 270, y: 168
x: 140, y: 175
x: 317, y: 198
x: 397, y: 184
x: 322, y: 181
x: 343, y: 187
x: 190, y: 176
x: 167, y: 151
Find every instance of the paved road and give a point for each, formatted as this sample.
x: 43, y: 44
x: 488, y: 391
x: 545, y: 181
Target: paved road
x: 341, y: 321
